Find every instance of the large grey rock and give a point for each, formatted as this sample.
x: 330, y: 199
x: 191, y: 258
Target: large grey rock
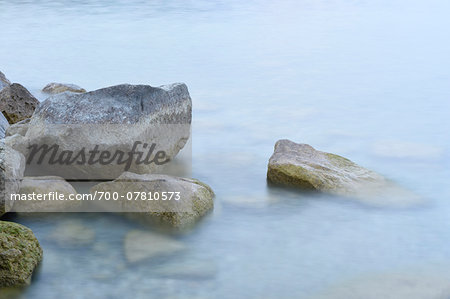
x: 20, y: 128
x: 44, y: 186
x: 54, y: 88
x: 300, y: 165
x: 20, y: 253
x: 4, y: 125
x: 12, y: 166
x: 113, y: 119
x: 17, y: 103
x: 142, y: 245
x: 195, y: 198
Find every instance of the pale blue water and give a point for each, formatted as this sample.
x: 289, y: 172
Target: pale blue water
x: 369, y: 81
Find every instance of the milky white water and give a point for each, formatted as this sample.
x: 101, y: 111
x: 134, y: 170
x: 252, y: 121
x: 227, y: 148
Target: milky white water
x: 369, y: 81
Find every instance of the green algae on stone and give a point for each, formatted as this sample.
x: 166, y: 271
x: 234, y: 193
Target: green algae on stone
x: 302, y: 166
x: 20, y: 253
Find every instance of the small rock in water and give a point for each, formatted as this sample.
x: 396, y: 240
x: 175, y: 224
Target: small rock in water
x: 72, y: 233
x: 300, y: 165
x: 187, y: 200
x: 142, y: 245
x: 20, y: 253
x: 17, y: 103
x: 12, y: 166
x: 54, y: 88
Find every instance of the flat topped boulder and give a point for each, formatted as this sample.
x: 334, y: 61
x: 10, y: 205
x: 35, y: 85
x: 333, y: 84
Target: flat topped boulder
x: 54, y: 88
x: 114, y: 122
x: 300, y: 165
x: 20, y: 253
x: 120, y: 104
x: 17, y: 103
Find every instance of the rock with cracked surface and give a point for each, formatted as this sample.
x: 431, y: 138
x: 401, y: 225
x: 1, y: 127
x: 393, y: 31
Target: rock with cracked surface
x: 54, y: 88
x: 301, y: 166
x: 17, y: 103
x: 20, y: 253
x: 4, y: 125
x: 114, y: 119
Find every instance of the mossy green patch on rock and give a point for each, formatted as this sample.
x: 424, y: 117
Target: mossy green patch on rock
x: 20, y: 253
x: 302, y: 166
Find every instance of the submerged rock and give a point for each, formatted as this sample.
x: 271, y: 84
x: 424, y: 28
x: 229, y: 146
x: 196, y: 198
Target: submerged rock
x: 54, y: 88
x: 141, y: 245
x: 20, y: 253
x: 195, y: 199
x: 45, y: 186
x: 115, y: 121
x: 300, y: 165
x: 72, y: 233
x: 20, y: 128
x: 186, y: 269
x: 17, y: 103
x: 12, y: 166
x: 4, y: 125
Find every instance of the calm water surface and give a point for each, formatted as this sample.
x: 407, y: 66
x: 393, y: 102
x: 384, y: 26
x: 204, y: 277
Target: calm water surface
x: 369, y: 81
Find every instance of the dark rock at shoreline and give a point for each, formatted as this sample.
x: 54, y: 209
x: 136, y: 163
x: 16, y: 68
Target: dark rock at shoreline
x: 17, y: 103
x: 195, y: 198
x: 55, y: 88
x: 301, y: 166
x: 20, y: 253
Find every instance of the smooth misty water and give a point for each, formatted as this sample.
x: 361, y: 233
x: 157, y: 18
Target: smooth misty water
x: 369, y: 81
